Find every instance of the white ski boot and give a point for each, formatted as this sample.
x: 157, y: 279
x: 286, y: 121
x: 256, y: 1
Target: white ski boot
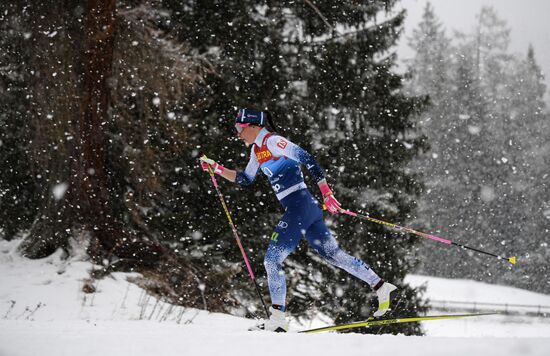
x: 383, y: 294
x: 277, y: 322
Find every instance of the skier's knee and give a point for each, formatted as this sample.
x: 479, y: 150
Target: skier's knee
x: 271, y: 264
x: 327, y: 251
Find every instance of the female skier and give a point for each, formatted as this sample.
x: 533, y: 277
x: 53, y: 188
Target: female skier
x: 280, y: 160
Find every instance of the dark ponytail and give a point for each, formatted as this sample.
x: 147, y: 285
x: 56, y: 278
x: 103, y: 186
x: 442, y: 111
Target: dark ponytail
x: 270, y: 121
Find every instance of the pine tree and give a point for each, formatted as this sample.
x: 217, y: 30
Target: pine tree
x: 430, y: 73
x: 528, y: 149
x: 429, y: 67
x: 366, y: 134
x: 325, y: 71
x: 449, y: 82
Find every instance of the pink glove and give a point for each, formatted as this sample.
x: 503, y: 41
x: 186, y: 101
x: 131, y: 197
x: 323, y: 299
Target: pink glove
x: 206, y: 162
x: 333, y: 206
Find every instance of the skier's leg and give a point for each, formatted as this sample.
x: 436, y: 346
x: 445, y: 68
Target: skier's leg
x: 320, y: 238
x: 284, y: 240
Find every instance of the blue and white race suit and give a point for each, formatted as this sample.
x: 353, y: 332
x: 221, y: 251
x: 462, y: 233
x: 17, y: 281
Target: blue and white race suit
x: 280, y: 160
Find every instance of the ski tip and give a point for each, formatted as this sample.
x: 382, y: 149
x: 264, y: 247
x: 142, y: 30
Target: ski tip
x: 512, y: 260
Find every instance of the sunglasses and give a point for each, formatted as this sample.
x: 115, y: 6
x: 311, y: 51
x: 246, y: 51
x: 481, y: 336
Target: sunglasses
x: 240, y: 127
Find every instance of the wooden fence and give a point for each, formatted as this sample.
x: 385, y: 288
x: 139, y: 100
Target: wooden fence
x: 504, y: 308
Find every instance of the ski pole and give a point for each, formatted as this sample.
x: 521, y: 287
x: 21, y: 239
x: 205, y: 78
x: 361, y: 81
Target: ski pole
x: 236, y: 234
x: 512, y: 259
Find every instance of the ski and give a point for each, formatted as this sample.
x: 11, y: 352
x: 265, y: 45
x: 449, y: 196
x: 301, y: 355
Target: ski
x: 372, y: 322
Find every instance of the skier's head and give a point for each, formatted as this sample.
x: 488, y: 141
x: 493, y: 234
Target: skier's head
x: 248, y: 124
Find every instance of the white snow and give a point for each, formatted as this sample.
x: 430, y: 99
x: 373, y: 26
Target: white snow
x: 225, y: 336
x: 43, y: 311
x: 59, y: 190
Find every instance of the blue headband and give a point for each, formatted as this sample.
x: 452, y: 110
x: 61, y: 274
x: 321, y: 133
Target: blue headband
x: 247, y: 116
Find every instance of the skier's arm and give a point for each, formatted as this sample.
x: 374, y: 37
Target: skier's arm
x: 279, y: 146
x: 217, y: 168
x: 242, y: 178
x: 246, y: 177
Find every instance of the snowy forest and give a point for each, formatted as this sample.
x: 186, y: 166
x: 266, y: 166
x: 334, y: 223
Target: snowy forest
x: 486, y: 173
x: 106, y: 107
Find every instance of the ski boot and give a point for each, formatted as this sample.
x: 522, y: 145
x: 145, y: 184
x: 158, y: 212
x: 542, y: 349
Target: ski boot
x: 383, y: 294
x: 277, y: 322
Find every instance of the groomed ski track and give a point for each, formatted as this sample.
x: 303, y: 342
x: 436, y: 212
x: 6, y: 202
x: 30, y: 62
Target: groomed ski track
x: 222, y: 335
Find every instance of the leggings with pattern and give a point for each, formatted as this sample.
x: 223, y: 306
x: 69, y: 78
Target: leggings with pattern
x: 303, y: 217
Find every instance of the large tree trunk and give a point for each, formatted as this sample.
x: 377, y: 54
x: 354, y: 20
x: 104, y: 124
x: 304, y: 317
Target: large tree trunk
x: 93, y: 194
x: 86, y: 206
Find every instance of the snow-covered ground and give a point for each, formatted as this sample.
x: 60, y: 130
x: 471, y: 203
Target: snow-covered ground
x: 43, y: 311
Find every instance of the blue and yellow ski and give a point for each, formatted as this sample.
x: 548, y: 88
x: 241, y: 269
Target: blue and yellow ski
x: 379, y: 322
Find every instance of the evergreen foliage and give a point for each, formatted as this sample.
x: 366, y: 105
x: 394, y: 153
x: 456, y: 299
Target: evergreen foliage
x: 18, y: 190
x: 326, y: 74
x: 487, y: 127
x: 45, y: 120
